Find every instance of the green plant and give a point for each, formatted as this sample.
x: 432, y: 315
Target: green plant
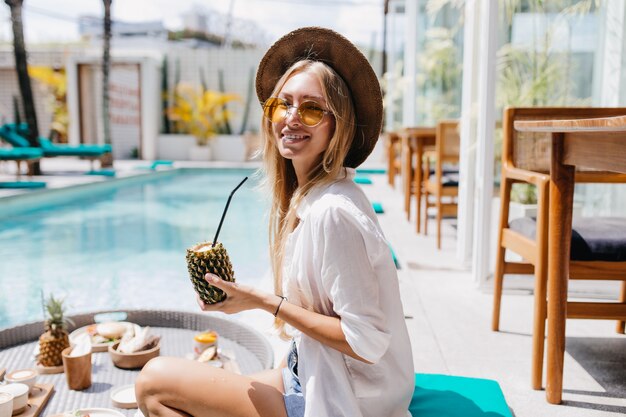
x: 524, y: 193
x: 199, y: 112
x: 55, y: 83
x: 439, y: 76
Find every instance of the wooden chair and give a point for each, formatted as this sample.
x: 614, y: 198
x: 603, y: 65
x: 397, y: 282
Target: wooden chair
x: 393, y: 153
x: 443, y: 186
x: 415, y: 141
x: 526, y: 159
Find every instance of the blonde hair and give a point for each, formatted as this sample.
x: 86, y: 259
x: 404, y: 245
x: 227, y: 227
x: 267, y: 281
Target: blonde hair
x: 280, y: 174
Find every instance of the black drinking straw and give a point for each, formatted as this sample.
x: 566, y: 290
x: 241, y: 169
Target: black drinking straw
x: 226, y: 209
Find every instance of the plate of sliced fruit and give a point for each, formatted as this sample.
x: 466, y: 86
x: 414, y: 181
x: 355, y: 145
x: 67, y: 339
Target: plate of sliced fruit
x: 102, y: 335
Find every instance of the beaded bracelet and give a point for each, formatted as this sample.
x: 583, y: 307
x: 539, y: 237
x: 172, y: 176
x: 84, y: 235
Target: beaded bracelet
x: 279, y: 304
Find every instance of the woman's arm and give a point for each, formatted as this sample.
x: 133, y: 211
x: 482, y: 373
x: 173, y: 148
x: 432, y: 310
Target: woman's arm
x: 324, y: 329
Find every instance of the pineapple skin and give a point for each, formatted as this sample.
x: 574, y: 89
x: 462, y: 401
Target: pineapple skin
x: 55, y: 338
x: 51, y: 346
x: 214, y: 261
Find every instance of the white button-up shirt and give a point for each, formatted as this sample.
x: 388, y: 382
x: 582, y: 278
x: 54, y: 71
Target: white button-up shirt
x: 337, y: 263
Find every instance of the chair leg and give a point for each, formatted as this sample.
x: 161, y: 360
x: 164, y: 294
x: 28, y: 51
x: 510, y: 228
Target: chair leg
x: 439, y: 218
x: 390, y: 162
x: 426, y: 206
x: 622, y: 299
x: 539, y: 324
x: 418, y: 201
x: 541, y: 289
x: 406, y: 172
x: 498, y: 276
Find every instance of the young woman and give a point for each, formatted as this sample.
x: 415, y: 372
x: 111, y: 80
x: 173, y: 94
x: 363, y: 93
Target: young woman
x: 336, y: 287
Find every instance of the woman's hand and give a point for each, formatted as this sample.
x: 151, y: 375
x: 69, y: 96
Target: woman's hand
x: 238, y: 297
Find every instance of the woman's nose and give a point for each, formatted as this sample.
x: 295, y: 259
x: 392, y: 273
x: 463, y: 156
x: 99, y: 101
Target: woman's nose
x: 292, y: 116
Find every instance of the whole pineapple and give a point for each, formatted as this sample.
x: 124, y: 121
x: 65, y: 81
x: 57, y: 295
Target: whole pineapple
x: 56, y: 338
x: 203, y: 258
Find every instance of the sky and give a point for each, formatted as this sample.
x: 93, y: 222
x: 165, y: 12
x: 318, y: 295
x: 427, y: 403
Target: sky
x: 359, y: 20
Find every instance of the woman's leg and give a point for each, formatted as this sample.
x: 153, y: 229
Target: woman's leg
x: 181, y: 387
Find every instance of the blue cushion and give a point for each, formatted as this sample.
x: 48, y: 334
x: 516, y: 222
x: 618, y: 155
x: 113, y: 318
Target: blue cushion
x: 52, y: 149
x: 12, y: 137
x: 593, y: 238
x: 456, y: 396
x: 447, y: 180
x: 20, y: 153
x: 378, y: 208
x: 362, y: 180
x: 161, y: 162
x: 22, y: 184
x: 15, y: 135
x: 394, y: 257
x: 371, y: 171
x: 104, y: 172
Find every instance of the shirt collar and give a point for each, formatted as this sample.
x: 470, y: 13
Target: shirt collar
x: 303, y: 209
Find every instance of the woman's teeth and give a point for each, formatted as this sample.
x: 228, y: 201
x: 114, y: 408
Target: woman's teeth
x: 293, y: 138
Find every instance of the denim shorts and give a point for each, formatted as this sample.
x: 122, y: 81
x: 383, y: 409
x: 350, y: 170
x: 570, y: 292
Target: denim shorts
x: 294, y: 401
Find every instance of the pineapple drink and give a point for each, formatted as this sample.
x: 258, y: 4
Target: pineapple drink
x: 205, y: 258
x: 211, y: 258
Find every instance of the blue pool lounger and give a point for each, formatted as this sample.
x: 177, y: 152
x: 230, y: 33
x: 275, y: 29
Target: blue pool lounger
x: 22, y: 184
x: 159, y: 163
x: 19, y: 155
x: 457, y: 396
x: 15, y: 136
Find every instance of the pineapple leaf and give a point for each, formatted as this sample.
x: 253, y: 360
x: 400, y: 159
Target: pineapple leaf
x: 55, y: 314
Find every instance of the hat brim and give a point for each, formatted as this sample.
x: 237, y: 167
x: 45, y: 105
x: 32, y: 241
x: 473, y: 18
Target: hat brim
x: 325, y: 45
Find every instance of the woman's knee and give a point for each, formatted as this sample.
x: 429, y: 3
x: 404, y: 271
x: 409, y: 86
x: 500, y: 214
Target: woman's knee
x: 152, y: 377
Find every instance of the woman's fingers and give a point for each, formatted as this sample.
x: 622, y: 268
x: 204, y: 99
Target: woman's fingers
x: 201, y: 303
x: 238, y: 297
x: 209, y: 307
x: 217, y: 282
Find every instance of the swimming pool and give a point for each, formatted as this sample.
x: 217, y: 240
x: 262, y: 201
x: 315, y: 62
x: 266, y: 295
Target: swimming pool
x: 122, y: 245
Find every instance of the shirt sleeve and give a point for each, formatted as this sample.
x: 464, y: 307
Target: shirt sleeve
x: 350, y: 280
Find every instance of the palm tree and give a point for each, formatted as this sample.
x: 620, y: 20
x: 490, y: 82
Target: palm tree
x: 21, y: 66
x: 106, y: 67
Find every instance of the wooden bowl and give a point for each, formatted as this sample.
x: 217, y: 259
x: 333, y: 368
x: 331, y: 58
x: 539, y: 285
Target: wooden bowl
x: 133, y: 360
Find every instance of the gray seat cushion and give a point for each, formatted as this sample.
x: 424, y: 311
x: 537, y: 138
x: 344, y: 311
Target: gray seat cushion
x: 593, y: 238
x: 447, y: 180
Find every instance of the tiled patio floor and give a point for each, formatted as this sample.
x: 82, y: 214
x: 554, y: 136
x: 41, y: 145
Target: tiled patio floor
x: 449, y: 318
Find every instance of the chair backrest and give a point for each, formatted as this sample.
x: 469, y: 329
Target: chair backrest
x: 11, y: 136
x: 531, y: 151
x: 448, y: 141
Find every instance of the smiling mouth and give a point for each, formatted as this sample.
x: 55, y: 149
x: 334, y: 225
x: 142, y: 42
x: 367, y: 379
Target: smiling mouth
x: 294, y: 138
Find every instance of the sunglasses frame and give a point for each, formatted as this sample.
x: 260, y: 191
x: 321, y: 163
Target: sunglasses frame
x: 291, y: 106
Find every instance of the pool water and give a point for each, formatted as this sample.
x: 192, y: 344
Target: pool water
x: 124, y: 246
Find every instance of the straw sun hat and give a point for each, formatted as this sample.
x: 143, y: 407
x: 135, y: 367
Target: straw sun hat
x: 325, y: 45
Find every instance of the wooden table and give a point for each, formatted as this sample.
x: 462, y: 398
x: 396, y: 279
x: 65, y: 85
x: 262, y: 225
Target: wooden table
x: 590, y: 143
x: 415, y: 140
